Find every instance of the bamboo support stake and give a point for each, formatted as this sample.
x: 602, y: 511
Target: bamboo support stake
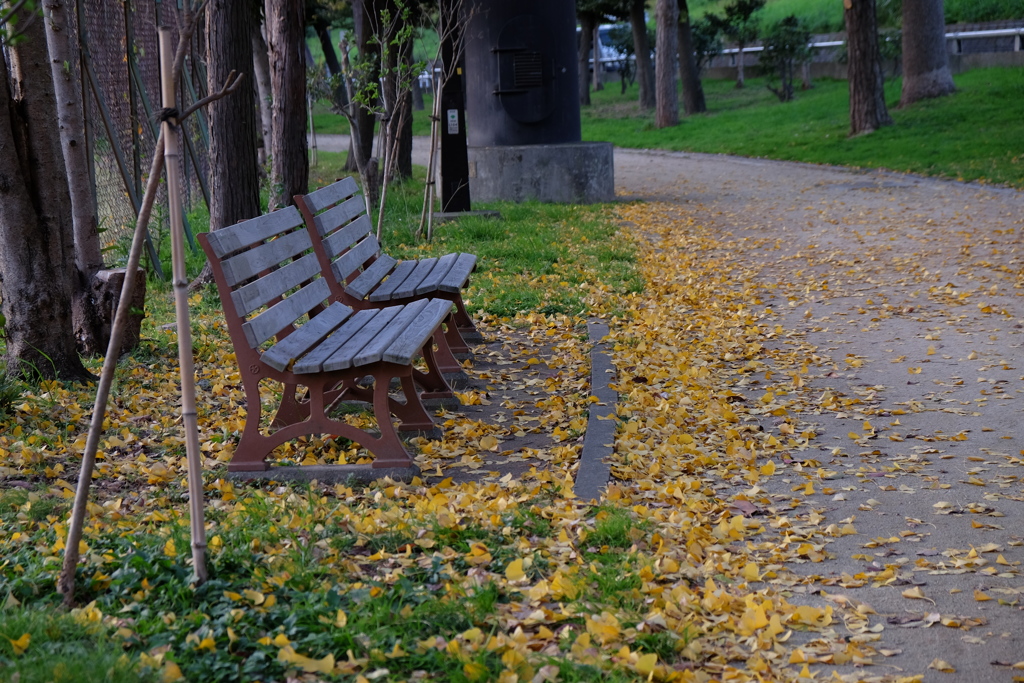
x: 179, y: 281
x: 66, y: 582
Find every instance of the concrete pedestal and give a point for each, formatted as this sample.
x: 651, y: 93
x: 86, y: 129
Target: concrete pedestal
x: 569, y: 173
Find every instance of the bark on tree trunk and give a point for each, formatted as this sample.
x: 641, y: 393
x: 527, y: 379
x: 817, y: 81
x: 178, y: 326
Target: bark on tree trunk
x: 90, y: 301
x: 234, y: 166
x: 587, y: 23
x: 598, y: 66
x: 741, y: 80
x: 234, y: 174
x: 666, y: 112
x: 925, y: 61
x: 323, y: 33
x: 642, y: 50
x: 404, y: 161
x: 62, y: 45
x: 417, y: 94
x: 286, y: 36
x: 693, y: 91
x: 867, y: 95
x: 365, y: 120
x: 261, y: 70
x: 37, y: 257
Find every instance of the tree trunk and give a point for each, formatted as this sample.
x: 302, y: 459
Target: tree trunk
x: 598, y: 66
x: 91, y: 316
x: 323, y: 33
x: 693, y: 91
x: 642, y: 50
x: 234, y: 168
x: 286, y: 36
x: 417, y: 94
x: 234, y: 175
x: 37, y: 256
x: 867, y: 95
x: 741, y: 80
x: 925, y: 61
x: 261, y: 70
x: 666, y: 112
x: 62, y: 45
x: 404, y: 162
x: 587, y: 23
x: 365, y: 120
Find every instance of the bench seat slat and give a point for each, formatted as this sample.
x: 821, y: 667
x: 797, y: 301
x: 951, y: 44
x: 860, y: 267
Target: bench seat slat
x: 284, y: 313
x: 408, y: 344
x: 370, y: 277
x: 282, y: 355
x: 331, y: 194
x: 437, y: 274
x: 394, y: 281
x: 344, y: 356
x: 420, y: 274
x: 231, y: 238
x: 254, y: 261
x: 353, y: 259
x: 267, y: 288
x: 313, y: 361
x: 376, y: 347
x: 458, y: 276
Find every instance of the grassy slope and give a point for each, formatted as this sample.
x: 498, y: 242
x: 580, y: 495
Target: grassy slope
x: 974, y: 134
x: 825, y: 16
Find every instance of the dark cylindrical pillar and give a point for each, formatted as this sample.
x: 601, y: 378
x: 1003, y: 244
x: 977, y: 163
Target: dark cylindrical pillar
x: 521, y: 74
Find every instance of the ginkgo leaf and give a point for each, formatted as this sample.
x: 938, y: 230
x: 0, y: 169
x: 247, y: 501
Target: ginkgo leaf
x: 914, y: 593
x: 19, y: 645
x: 324, y: 665
x: 514, y: 570
x: 170, y: 672
x: 943, y: 666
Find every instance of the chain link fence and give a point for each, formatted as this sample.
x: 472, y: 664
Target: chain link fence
x: 119, y: 71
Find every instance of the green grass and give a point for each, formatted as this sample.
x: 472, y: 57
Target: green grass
x: 826, y: 16
x: 535, y: 258
x: 974, y: 134
x: 62, y: 648
x: 326, y: 122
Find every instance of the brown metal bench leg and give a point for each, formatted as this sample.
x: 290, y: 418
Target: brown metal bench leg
x: 453, y: 336
x: 446, y: 361
x: 390, y: 452
x: 250, y: 454
x: 291, y: 410
x: 464, y: 323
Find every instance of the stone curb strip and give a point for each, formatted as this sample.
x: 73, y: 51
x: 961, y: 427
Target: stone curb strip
x: 595, y: 466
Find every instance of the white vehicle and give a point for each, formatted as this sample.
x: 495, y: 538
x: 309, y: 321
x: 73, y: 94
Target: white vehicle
x: 609, y: 58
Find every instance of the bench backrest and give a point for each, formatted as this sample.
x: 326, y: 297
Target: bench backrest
x: 338, y: 213
x: 267, y: 275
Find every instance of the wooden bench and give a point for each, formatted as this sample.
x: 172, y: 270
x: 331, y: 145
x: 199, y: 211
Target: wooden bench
x: 274, y: 295
x: 362, y: 276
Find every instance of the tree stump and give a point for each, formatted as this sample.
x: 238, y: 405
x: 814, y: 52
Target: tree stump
x: 93, y: 326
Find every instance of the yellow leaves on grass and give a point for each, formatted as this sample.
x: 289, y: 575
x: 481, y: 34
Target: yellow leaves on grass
x: 19, y: 645
x: 325, y: 665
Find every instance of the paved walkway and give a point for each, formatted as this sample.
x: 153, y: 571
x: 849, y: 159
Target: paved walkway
x: 913, y: 289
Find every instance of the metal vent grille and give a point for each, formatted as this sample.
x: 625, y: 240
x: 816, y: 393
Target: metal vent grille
x: 527, y: 70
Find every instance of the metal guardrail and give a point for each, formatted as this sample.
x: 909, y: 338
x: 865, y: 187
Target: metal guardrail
x: 955, y: 35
